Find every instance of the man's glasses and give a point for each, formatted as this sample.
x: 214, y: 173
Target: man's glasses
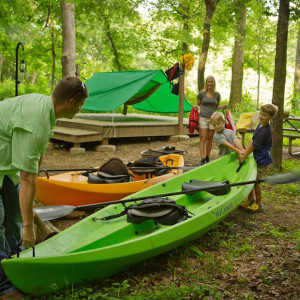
x: 80, y: 89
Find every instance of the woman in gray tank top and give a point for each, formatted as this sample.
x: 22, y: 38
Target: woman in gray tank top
x: 209, y: 101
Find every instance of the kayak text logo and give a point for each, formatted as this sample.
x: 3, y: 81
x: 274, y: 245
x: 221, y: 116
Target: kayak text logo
x: 223, y: 210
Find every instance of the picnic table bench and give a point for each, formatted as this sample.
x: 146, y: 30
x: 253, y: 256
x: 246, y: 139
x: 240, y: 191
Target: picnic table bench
x: 294, y: 130
x: 292, y: 137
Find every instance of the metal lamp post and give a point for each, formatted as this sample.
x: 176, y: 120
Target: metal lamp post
x: 17, y: 65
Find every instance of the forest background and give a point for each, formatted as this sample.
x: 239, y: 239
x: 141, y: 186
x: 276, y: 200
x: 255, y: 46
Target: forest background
x: 252, y: 47
x: 138, y: 35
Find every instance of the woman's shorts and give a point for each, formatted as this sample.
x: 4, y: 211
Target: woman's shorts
x: 204, y: 123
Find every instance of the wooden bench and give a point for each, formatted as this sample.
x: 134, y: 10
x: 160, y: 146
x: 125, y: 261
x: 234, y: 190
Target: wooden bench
x: 293, y: 136
x: 75, y: 136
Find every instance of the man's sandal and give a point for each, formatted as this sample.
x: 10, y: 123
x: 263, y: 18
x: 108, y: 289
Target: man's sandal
x: 255, y: 208
x: 245, y: 205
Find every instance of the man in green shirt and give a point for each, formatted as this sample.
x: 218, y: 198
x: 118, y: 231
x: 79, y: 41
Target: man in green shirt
x: 26, y: 124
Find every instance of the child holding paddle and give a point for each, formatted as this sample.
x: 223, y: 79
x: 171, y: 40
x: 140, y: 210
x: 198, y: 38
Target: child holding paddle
x: 260, y: 145
x: 225, y: 138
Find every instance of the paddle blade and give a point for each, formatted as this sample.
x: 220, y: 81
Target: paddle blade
x: 284, y: 178
x: 47, y: 213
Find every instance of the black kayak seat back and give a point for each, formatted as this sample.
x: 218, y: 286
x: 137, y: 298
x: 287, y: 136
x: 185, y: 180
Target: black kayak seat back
x: 158, y: 167
x: 217, y: 188
x: 112, y: 171
x: 103, y: 179
x: 162, y: 211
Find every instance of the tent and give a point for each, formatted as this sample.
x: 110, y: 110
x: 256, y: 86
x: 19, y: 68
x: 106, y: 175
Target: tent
x: 147, y: 90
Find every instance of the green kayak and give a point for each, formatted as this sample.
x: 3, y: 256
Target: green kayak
x: 95, y: 249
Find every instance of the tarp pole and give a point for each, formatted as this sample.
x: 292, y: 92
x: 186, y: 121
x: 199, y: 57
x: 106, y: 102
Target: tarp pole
x: 181, y: 100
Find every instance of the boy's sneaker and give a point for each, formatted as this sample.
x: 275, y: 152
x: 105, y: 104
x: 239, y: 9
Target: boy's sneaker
x: 255, y: 208
x: 245, y: 204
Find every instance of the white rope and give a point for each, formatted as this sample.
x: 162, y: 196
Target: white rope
x: 111, y: 127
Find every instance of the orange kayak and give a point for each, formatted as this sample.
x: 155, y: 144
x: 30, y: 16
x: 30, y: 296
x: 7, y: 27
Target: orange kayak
x: 72, y: 188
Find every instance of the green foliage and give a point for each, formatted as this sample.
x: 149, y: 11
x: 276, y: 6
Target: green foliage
x: 7, y: 89
x: 248, y: 105
x: 261, y: 37
x: 293, y: 102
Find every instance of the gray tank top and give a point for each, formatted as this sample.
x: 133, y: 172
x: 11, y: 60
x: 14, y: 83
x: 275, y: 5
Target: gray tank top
x: 208, y: 105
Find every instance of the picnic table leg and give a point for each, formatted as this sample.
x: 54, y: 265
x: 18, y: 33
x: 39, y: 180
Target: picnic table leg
x: 243, y: 139
x: 290, y: 146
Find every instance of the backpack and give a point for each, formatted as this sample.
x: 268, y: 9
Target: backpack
x: 193, y: 120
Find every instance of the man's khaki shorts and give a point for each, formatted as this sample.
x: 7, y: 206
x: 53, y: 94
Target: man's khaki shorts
x: 204, y: 123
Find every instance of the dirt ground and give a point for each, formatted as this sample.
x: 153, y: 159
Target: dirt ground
x: 270, y: 271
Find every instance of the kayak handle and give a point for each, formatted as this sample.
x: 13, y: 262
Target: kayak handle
x: 18, y: 250
x: 46, y: 172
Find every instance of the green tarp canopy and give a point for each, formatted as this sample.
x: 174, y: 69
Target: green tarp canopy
x: 147, y: 90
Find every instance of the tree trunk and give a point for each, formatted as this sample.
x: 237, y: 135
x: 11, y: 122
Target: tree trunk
x: 183, y: 77
x: 53, y: 54
x: 258, y: 77
x: 297, y: 69
x: 110, y: 37
x: 69, y: 38
x: 279, y: 80
x: 78, y: 70
x: 210, y: 9
x: 1, y: 63
x: 236, y: 89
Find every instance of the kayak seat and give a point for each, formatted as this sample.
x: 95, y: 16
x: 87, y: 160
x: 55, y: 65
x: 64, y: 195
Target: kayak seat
x: 217, y: 188
x: 144, y: 167
x: 162, y: 211
x: 159, y: 210
x: 112, y: 171
x: 102, y: 178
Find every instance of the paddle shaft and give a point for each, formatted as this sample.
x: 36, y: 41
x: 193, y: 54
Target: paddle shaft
x: 168, y: 194
x: 130, y: 168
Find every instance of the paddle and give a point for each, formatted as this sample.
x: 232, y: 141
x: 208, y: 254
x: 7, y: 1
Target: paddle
x: 91, y: 170
x: 55, y: 212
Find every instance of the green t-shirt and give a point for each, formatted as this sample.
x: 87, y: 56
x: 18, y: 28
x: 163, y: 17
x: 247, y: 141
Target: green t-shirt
x: 26, y: 124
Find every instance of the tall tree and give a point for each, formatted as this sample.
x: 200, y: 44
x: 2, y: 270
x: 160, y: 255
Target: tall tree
x: 297, y: 68
x: 279, y: 79
x: 69, y: 39
x: 210, y: 10
x: 236, y: 89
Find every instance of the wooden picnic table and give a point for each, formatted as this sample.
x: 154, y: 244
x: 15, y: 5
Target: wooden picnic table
x: 291, y: 137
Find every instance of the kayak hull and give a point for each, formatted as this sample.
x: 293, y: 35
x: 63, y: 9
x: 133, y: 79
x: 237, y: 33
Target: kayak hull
x: 94, y: 249
x: 71, y: 188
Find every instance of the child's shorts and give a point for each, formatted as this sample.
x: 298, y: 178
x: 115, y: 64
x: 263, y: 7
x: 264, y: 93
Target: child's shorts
x: 263, y: 171
x: 204, y: 123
